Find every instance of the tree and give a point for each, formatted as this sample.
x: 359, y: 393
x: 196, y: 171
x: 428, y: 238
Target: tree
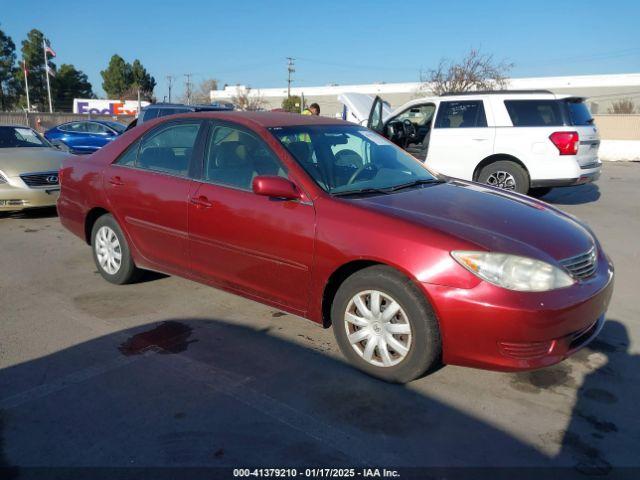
x: 624, y: 106
x: 141, y: 79
x: 33, y: 54
x: 202, y: 94
x: 292, y: 104
x: 476, y: 71
x: 248, y: 101
x: 117, y: 78
x: 69, y: 83
x: 8, y: 82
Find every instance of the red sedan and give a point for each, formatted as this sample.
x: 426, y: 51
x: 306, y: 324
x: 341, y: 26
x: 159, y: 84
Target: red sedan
x: 330, y: 221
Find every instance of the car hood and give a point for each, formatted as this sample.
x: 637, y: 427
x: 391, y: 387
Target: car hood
x: 488, y: 218
x: 15, y: 161
x: 359, y: 105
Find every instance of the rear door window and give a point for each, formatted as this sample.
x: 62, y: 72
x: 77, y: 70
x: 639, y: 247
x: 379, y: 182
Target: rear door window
x: 461, y: 114
x: 535, y: 113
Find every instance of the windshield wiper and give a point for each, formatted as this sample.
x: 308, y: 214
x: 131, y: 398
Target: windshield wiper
x: 415, y: 183
x: 360, y: 191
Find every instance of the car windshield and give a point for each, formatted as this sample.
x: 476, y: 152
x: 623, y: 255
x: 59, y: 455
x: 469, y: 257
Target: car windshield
x: 347, y: 159
x: 16, y: 137
x: 118, y: 127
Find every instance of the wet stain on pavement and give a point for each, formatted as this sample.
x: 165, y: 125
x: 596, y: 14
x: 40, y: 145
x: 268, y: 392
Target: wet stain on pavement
x: 596, y: 423
x: 601, y: 396
x: 589, y: 459
x: 169, y: 337
x: 539, y: 380
x: 30, y: 230
x: 366, y: 408
x: 107, y: 304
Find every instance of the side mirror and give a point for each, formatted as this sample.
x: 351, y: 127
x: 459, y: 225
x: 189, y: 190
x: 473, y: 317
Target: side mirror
x: 277, y: 187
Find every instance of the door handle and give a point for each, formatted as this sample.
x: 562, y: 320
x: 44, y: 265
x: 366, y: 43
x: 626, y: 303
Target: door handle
x: 116, y: 181
x: 201, y: 202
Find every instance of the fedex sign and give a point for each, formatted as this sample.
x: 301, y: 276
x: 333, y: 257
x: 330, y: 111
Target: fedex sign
x: 106, y: 107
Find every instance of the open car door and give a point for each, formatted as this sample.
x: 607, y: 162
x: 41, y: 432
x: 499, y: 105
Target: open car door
x: 376, y: 116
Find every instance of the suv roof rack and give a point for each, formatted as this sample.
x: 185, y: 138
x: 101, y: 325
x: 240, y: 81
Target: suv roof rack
x: 493, y: 92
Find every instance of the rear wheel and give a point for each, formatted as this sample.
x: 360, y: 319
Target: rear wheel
x: 384, y: 325
x: 111, y: 252
x: 505, y: 174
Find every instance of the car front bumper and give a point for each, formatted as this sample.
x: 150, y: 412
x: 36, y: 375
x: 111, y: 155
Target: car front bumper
x: 497, y: 329
x: 15, y: 198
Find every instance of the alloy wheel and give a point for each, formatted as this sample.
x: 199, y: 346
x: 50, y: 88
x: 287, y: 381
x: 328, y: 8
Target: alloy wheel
x: 502, y: 179
x: 378, y: 329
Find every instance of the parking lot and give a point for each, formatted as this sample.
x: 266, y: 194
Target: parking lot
x: 172, y: 373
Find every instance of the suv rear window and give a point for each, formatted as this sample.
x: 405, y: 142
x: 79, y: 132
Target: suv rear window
x: 579, y: 113
x: 535, y: 113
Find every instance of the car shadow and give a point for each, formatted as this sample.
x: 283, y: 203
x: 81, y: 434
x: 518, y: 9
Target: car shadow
x: 42, y: 212
x: 573, y: 195
x: 604, y: 401
x: 208, y: 393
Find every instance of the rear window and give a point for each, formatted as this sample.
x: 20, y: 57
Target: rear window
x: 149, y: 114
x: 579, y: 113
x: 535, y: 113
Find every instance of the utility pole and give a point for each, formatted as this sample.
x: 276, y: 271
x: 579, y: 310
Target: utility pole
x: 290, y: 70
x: 170, y: 83
x: 187, y: 81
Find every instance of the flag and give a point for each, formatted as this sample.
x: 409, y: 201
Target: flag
x: 49, y: 50
x: 51, y: 71
x: 24, y: 68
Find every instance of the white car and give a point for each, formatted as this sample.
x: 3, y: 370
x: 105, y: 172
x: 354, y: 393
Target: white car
x: 525, y: 141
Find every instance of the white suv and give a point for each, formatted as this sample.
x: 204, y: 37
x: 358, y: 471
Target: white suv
x: 526, y: 141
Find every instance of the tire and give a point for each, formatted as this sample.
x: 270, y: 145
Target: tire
x: 539, y: 191
x: 505, y: 174
x: 423, y: 340
x: 107, y: 237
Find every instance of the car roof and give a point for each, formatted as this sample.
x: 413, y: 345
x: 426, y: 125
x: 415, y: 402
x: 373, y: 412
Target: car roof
x: 265, y: 119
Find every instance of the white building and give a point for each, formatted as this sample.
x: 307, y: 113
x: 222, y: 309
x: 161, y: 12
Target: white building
x: 601, y: 90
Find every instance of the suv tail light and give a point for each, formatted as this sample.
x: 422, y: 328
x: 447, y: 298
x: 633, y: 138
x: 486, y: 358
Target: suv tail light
x: 566, y: 142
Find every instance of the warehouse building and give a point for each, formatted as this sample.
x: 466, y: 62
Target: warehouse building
x: 602, y: 91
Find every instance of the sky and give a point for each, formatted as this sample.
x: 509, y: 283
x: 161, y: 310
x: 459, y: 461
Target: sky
x: 344, y: 42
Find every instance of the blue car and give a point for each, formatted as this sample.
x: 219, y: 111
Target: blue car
x: 84, y: 136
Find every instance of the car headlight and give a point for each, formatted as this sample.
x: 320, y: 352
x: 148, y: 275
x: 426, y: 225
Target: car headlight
x: 513, y: 272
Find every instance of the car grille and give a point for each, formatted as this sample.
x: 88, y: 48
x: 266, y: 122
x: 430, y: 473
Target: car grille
x: 583, y: 265
x: 40, y: 179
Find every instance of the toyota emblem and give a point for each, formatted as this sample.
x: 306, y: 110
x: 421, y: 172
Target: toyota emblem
x: 52, y: 179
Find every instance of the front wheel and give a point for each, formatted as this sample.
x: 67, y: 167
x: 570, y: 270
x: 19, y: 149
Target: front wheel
x: 384, y: 325
x: 111, y: 252
x: 505, y: 174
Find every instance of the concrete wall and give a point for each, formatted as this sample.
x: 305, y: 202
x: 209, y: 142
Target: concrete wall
x: 618, y: 127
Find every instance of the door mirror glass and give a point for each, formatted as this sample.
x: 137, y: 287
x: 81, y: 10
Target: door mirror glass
x: 375, y: 116
x: 276, y: 187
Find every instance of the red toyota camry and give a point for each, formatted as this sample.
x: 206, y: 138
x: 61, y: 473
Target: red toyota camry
x: 330, y: 221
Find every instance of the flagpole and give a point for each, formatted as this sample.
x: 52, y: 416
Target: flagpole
x: 26, y: 83
x: 46, y: 70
